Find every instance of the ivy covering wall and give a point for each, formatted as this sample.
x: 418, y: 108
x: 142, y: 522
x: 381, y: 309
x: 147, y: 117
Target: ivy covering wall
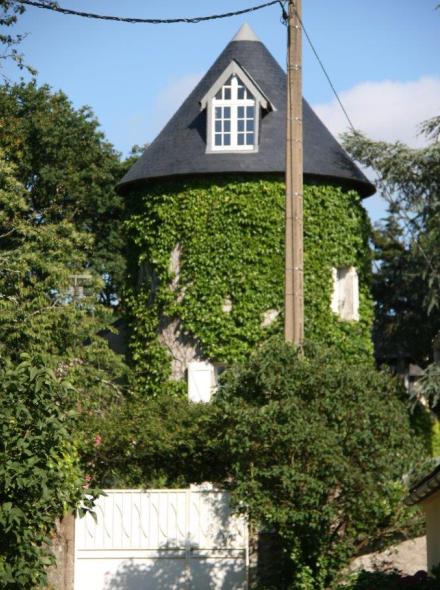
x: 226, y: 238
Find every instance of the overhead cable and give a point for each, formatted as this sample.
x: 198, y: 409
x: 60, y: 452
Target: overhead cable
x: 54, y: 6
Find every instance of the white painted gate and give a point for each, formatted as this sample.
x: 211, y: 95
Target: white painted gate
x: 161, y: 540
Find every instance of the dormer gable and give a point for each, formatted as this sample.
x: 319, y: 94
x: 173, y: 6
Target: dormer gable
x: 234, y: 106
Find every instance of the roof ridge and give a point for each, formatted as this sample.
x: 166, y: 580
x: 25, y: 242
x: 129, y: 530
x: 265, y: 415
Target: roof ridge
x: 245, y: 33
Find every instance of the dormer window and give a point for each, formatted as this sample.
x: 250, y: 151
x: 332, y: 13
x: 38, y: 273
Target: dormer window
x: 234, y: 119
x: 234, y: 105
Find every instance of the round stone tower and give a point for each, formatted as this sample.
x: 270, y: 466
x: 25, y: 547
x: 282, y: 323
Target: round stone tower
x: 207, y: 229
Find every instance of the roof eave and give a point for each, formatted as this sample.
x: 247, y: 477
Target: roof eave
x: 425, y: 488
x: 365, y: 189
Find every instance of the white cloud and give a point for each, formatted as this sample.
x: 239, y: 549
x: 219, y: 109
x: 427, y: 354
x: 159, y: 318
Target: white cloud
x: 387, y: 110
x: 170, y: 98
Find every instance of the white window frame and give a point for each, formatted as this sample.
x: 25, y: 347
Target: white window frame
x: 234, y: 104
x: 210, y: 102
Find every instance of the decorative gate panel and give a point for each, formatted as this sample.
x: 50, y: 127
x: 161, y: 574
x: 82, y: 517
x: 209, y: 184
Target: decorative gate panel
x: 161, y: 540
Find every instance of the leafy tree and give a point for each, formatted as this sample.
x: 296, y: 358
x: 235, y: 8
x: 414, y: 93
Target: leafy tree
x: 40, y: 477
x: 314, y: 449
x: 40, y: 313
x: 407, y: 282
x: 69, y: 171
x: 430, y: 385
x: 40, y: 260
x: 56, y: 331
x: 60, y: 247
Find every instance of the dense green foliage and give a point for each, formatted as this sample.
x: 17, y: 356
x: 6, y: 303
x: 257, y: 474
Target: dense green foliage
x: 68, y: 170
x: 311, y: 448
x: 152, y: 443
x: 407, y: 282
x: 56, y: 330
x: 228, y: 235
x: 316, y: 448
x: 40, y: 478
x: 39, y: 314
x: 38, y: 261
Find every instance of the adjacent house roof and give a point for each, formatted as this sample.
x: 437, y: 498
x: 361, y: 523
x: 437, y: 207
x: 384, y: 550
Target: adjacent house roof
x: 180, y: 148
x: 424, y: 488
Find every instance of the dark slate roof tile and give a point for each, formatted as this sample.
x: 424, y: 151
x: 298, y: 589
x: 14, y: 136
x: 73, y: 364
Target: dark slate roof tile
x: 180, y: 148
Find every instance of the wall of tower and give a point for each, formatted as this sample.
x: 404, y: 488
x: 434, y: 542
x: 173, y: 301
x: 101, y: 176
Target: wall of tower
x: 207, y: 263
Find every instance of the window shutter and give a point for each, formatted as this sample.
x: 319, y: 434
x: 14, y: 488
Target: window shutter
x: 335, y: 293
x: 200, y: 381
x: 354, y: 293
x: 345, y: 296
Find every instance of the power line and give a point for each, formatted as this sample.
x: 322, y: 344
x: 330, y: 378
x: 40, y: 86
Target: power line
x: 50, y: 5
x: 326, y: 74
x: 151, y: 21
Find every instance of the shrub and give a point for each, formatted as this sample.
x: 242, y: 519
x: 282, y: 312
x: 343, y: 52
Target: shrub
x: 150, y: 442
x: 39, y: 474
x: 316, y: 449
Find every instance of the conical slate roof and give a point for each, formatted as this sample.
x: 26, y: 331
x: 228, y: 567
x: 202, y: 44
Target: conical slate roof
x: 180, y: 148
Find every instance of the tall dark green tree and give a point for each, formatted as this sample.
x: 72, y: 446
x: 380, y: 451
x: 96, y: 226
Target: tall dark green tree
x: 60, y: 260
x: 52, y: 362
x: 407, y: 244
x: 60, y: 247
x: 68, y: 169
x: 41, y: 313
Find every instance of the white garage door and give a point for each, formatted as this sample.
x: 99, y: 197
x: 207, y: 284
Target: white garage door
x: 161, y: 540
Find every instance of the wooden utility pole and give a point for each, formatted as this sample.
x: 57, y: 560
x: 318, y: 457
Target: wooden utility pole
x: 294, y: 281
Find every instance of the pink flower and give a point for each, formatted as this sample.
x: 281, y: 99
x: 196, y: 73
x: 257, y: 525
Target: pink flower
x: 98, y: 440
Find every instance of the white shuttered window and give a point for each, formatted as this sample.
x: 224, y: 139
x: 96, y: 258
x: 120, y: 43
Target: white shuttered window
x: 201, y: 381
x: 345, y: 298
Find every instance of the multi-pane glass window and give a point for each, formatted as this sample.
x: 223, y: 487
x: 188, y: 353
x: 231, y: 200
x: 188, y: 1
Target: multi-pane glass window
x: 222, y: 134
x: 234, y: 117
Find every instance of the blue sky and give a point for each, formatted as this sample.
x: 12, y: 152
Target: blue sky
x: 382, y: 55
